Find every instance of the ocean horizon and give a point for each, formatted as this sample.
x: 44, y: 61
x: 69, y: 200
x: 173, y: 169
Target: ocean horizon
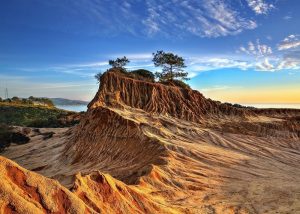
x: 79, y: 108
x: 273, y: 105
x: 76, y: 108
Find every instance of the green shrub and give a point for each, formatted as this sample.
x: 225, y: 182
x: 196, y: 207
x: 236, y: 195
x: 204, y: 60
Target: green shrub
x: 118, y: 70
x: 177, y: 83
x: 143, y: 74
x: 98, y: 76
x: 35, y: 116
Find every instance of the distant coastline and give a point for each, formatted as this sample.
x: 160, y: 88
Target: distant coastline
x: 273, y: 105
x: 65, y: 102
x: 83, y: 107
x: 75, y: 108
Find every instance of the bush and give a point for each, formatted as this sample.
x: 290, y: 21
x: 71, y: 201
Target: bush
x: 177, y: 83
x: 51, y: 121
x: 238, y: 105
x: 118, y: 70
x: 36, y: 116
x: 98, y: 76
x: 143, y: 74
x: 140, y: 74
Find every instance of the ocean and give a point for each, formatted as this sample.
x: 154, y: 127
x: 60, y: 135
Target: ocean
x: 273, y: 105
x: 79, y: 108
x: 76, y: 108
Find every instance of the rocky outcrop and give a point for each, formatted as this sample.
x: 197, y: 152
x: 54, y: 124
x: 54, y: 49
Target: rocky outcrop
x: 114, y: 144
x: 22, y: 191
x: 119, y: 91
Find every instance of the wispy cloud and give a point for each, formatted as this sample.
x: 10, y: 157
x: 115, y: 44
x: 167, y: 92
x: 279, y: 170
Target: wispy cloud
x: 216, y: 88
x: 134, y: 56
x: 200, y: 64
x: 209, y: 18
x: 287, y: 17
x: 291, y: 41
x: 286, y: 58
x: 256, y: 49
x: 174, y: 18
x: 260, y: 6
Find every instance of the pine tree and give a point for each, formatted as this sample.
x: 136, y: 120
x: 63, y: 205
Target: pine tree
x: 172, y: 66
x: 119, y: 62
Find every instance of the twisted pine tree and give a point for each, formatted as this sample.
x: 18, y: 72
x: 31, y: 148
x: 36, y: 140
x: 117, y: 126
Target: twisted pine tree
x: 119, y: 62
x: 172, y: 66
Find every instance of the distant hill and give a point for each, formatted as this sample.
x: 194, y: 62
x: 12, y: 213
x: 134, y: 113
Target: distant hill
x: 63, y: 101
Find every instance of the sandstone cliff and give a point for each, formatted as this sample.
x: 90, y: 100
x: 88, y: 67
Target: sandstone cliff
x: 117, y: 90
x: 148, y: 148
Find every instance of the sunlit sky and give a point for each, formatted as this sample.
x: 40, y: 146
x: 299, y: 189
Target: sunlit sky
x: 240, y: 51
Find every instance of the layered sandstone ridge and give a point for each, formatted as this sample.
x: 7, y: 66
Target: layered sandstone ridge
x: 22, y: 191
x: 148, y: 148
x: 117, y: 90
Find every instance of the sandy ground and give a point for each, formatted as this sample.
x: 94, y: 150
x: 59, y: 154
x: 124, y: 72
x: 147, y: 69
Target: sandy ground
x: 182, y: 166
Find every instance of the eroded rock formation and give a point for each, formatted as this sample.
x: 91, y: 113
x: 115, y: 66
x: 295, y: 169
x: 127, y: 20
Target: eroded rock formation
x: 148, y: 148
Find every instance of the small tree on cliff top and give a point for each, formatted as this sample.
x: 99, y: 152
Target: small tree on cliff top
x: 172, y: 64
x: 98, y: 77
x: 119, y: 62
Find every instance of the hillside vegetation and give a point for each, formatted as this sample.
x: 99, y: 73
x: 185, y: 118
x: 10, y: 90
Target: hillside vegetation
x: 30, y: 101
x: 35, y: 116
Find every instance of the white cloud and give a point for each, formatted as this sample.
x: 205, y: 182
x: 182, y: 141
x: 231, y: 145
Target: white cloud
x: 287, y: 17
x: 172, y: 18
x: 265, y: 65
x: 263, y: 58
x: 260, y: 6
x: 205, y: 18
x: 291, y: 41
x: 134, y: 56
x: 201, y: 64
x: 256, y: 49
x: 216, y: 88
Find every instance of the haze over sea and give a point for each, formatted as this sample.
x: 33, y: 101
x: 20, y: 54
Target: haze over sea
x: 274, y: 105
x: 76, y: 108
x: 79, y: 108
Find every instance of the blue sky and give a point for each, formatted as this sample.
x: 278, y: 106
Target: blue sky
x: 233, y: 48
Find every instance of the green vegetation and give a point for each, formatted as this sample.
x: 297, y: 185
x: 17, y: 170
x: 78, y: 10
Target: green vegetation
x: 119, y: 63
x: 172, y: 74
x: 238, y: 105
x: 172, y: 64
x: 177, y: 83
x: 98, y: 77
x: 30, y: 101
x: 142, y: 74
x: 34, y: 116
